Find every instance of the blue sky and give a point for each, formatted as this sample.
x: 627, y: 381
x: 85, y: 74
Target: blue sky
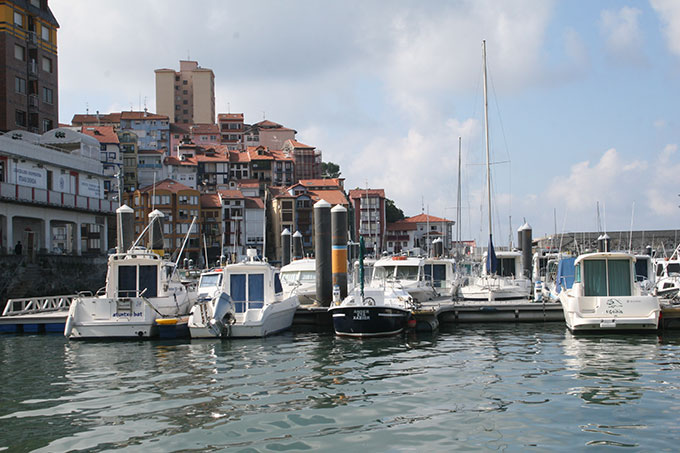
x: 584, y: 95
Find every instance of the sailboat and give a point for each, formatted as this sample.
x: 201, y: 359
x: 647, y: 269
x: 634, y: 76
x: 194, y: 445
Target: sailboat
x: 502, y: 276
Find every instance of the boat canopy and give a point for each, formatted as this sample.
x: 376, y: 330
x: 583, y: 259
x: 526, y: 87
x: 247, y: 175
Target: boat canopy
x: 565, y: 273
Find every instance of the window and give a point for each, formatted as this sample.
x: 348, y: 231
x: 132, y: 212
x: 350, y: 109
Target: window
x: 46, y: 64
x: 20, y: 85
x: 18, y: 19
x: 176, y: 78
x: 185, y: 102
x: 184, y: 82
x: 48, y: 95
x: 20, y: 118
x: 185, y: 91
x: 45, y: 33
x: 35, y: 3
x: 19, y: 52
x: 47, y: 125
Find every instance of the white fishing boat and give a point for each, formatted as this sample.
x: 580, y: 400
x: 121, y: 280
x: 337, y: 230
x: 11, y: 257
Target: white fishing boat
x: 407, y: 272
x: 142, y: 291
x: 605, y: 295
x: 299, y: 278
x: 251, y: 303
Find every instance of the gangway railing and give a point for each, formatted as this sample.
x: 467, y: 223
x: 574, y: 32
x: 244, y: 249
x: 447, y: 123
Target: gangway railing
x: 33, y: 305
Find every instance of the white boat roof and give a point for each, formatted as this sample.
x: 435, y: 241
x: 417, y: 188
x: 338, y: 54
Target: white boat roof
x: 604, y: 255
x: 303, y: 264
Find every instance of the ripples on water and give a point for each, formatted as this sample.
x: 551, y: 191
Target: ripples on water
x: 506, y: 387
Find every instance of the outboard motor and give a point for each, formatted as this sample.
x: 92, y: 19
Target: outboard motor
x: 223, y: 316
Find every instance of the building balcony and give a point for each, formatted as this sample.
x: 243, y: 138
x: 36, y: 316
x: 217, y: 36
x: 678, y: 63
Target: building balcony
x: 33, y: 69
x: 149, y: 166
x: 33, y: 101
x: 32, y: 38
x: 50, y: 198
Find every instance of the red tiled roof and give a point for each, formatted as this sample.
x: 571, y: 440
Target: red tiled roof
x: 361, y: 193
x: 423, y: 218
x: 210, y: 200
x: 189, y: 161
x: 150, y: 151
x: 80, y: 119
x: 237, y: 156
x: 216, y: 155
x: 326, y: 182
x: 141, y: 116
x: 297, y: 144
x: 332, y: 196
x: 105, y: 134
x: 401, y: 225
x: 230, y: 116
x: 249, y: 183
x: 231, y: 194
x: 205, y: 129
x: 268, y: 124
x: 254, y: 203
x: 279, y: 155
x: 167, y: 184
x: 180, y: 128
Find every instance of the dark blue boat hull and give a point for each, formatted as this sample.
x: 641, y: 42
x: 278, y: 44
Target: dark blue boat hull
x: 369, y: 321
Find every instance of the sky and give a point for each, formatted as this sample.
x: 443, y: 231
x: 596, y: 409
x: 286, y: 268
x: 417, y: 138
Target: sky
x: 584, y: 96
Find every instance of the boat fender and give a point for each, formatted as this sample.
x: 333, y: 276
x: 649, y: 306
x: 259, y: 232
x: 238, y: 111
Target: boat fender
x: 68, y: 327
x: 369, y: 301
x: 411, y: 322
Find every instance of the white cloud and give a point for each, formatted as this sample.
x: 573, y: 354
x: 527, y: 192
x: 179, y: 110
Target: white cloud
x: 669, y: 13
x: 623, y: 36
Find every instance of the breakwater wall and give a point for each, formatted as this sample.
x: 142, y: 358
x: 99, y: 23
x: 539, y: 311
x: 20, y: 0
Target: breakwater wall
x: 49, y: 275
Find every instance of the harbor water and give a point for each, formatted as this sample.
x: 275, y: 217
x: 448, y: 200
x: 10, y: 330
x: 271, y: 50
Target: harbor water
x: 506, y: 387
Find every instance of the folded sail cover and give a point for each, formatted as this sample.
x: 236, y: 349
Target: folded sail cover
x: 491, y: 260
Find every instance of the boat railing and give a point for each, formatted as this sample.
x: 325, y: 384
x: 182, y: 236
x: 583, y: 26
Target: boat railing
x: 33, y: 305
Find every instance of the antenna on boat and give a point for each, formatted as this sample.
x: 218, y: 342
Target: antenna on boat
x: 630, y: 239
x: 184, y: 243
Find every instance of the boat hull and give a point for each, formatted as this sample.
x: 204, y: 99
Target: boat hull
x: 635, y: 313
x: 276, y: 317
x: 369, y: 321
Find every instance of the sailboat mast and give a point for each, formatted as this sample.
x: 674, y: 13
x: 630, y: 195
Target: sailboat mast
x: 486, y: 131
x: 458, y: 227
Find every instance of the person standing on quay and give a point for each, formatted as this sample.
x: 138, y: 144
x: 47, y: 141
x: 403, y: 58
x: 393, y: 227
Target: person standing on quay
x: 17, y: 248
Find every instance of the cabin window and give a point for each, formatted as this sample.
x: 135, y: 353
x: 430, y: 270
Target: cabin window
x: 148, y: 280
x: 210, y: 280
x: 307, y: 276
x: 577, y: 273
x: 436, y: 273
x: 619, y: 277
x: 673, y: 268
x: 506, y: 267
x: 256, y: 288
x: 659, y: 270
x: 595, y: 278
x: 384, y: 272
x: 289, y: 277
x: 407, y: 272
x: 127, y: 281
x: 641, y: 270
x: 277, y: 284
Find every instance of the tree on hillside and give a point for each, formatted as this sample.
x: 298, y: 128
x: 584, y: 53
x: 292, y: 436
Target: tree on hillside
x: 330, y: 170
x: 392, y: 212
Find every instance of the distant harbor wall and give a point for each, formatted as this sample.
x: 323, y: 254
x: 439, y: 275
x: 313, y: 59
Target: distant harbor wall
x: 49, y: 275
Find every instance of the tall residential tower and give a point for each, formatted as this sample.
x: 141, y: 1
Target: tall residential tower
x: 28, y: 66
x: 187, y: 96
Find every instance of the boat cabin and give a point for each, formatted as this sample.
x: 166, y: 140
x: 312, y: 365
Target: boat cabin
x: 302, y: 271
x: 136, y: 273
x: 440, y: 272
x: 251, y: 284
x: 399, y: 268
x: 605, y: 274
x: 509, y: 264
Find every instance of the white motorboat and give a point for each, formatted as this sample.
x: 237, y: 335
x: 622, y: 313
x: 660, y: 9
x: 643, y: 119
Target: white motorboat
x: 407, y: 272
x: 606, y: 297
x: 251, y: 303
x: 141, y: 288
x: 667, y: 285
x: 299, y: 278
x: 505, y: 283
x: 376, y: 311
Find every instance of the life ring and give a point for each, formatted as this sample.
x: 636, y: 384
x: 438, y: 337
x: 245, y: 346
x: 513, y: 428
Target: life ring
x: 369, y: 301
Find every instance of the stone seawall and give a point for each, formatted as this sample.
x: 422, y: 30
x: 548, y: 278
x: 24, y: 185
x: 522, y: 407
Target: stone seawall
x: 49, y: 275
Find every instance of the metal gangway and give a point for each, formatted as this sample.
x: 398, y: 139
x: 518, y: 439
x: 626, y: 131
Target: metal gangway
x: 36, y: 305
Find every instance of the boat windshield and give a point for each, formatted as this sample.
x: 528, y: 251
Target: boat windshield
x: 383, y: 272
x: 407, y: 272
x: 210, y: 280
x: 288, y: 278
x: 673, y: 268
x: 307, y: 276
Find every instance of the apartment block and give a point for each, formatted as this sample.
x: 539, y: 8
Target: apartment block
x: 187, y: 96
x: 369, y: 217
x: 28, y: 66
